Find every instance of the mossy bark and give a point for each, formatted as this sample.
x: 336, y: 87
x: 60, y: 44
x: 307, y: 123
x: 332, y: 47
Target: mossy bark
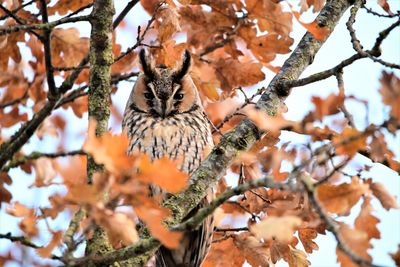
x: 101, y: 58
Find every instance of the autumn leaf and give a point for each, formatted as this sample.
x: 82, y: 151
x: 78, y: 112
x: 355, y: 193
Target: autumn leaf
x: 67, y: 47
x: 341, y: 198
x: 366, y: 221
x: 5, y: 195
x: 269, y: 123
x: 109, y: 150
x: 307, y: 4
x: 233, y: 73
x: 396, y: 256
x: 29, y: 222
x: 349, y: 142
x: 11, y: 118
x: 279, y: 228
x: 255, y: 251
x: 306, y: 236
x: 319, y: 33
x: 297, y: 258
x: 356, y: 240
x: 390, y: 91
x: 119, y: 226
x: 224, y: 253
x: 162, y: 172
x: 169, y: 23
x: 45, y: 252
x: 387, y: 200
x: 385, y: 5
x: 8, y: 46
x: 327, y: 106
x: 153, y: 216
x: 62, y: 7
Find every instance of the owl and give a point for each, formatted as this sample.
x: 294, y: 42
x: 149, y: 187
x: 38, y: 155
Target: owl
x: 164, y: 117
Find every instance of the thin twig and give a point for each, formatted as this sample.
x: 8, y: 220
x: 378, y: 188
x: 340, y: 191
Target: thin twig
x: 22, y: 239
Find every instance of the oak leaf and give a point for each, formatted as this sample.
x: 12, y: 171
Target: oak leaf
x: 390, y: 91
x: 297, y: 258
x: 62, y: 7
x: 45, y: 252
x: 67, y: 47
x: 357, y: 241
x: 8, y: 46
x: 153, y: 216
x: 387, y: 200
x: 366, y: 222
x: 279, y: 228
x: 319, y: 33
x: 29, y: 222
x: 255, y: 251
x: 349, y: 142
x: 5, y: 195
x: 341, y: 198
x: 163, y: 173
x: 224, y: 253
x: 169, y: 24
x: 306, y: 236
x: 109, y: 150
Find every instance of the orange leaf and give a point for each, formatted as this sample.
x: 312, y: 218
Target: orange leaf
x: 357, y: 241
x: 387, y: 200
x: 268, y: 123
x: 162, y: 172
x: 349, y: 142
x: 297, y: 258
x: 319, y: 33
x: 29, y: 222
x: 224, y: 254
x: 153, y: 216
x: 390, y: 91
x: 5, y: 195
x: 62, y: 7
x: 279, y: 228
x: 306, y: 236
x: 45, y: 252
x: 109, y: 150
x: 367, y: 222
x: 169, y: 24
x: 256, y: 252
x: 340, y: 198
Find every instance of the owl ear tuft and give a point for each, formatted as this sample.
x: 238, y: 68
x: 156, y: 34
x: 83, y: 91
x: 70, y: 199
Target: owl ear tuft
x: 146, y: 65
x: 183, y: 70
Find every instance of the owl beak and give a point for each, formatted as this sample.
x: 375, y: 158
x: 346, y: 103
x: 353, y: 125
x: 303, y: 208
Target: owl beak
x: 163, y: 109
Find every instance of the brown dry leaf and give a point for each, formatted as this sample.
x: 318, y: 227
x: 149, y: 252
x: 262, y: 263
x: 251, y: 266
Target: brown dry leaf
x: 279, y: 228
x: 265, y: 47
x: 390, y: 91
x: 119, y: 226
x: 224, y: 254
x: 327, y: 106
x: 297, y: 258
x: 67, y: 47
x: 150, y: 5
x: 233, y: 73
x: 5, y: 195
x: 319, y: 33
x: 9, y: 48
x: 349, y: 141
x: 153, y: 216
x: 341, y: 198
x: 45, y: 252
x: 396, y: 256
x: 367, y: 222
x: 357, y: 241
x: 14, y: 84
x: 270, y: 16
x: 29, y: 222
x: 109, y: 150
x: 163, y: 173
x: 205, y: 79
x: 256, y: 252
x: 169, y: 24
x: 45, y: 172
x: 307, y: 4
x: 306, y: 236
x: 387, y: 200
x: 385, y: 5
x: 268, y: 123
x: 11, y: 118
x: 62, y: 7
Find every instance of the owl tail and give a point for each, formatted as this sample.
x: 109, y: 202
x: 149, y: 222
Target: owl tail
x: 193, y: 248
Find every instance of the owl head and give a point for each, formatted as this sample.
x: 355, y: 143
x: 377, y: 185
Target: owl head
x: 163, y: 92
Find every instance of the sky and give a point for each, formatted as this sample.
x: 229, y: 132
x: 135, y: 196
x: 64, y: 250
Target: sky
x: 361, y: 80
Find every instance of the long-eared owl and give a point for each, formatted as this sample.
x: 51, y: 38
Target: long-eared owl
x: 164, y: 117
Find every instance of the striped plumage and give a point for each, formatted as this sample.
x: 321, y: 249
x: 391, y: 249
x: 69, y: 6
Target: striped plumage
x: 164, y: 117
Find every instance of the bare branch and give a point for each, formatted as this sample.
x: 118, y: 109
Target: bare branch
x: 15, y: 11
x: 22, y: 239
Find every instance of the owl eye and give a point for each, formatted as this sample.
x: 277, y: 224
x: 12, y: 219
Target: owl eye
x: 178, y: 96
x: 149, y: 95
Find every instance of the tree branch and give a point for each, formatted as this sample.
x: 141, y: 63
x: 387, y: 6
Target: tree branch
x: 22, y: 239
